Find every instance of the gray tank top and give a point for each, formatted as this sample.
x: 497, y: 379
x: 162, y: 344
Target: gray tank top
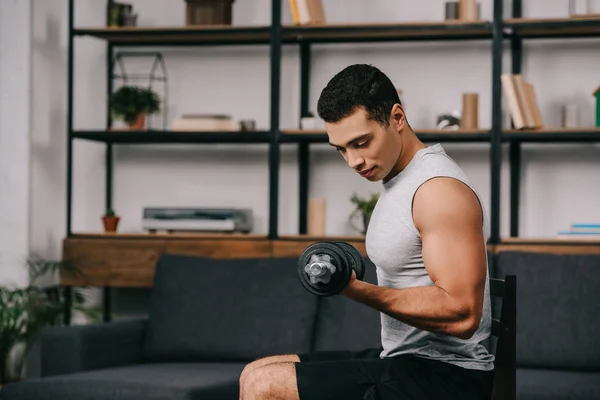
x: 393, y: 244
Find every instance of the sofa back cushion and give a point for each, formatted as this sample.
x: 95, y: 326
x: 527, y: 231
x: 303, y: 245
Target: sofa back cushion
x: 227, y: 310
x: 558, y: 322
x: 344, y: 324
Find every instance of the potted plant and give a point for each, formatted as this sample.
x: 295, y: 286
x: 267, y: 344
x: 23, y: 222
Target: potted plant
x: 26, y: 311
x: 133, y: 104
x: 364, y: 208
x: 110, y: 220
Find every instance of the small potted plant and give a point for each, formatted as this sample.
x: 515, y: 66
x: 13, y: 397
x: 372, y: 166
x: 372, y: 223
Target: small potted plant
x: 364, y: 208
x: 132, y: 104
x: 110, y: 220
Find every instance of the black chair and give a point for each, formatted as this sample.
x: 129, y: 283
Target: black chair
x: 504, y: 330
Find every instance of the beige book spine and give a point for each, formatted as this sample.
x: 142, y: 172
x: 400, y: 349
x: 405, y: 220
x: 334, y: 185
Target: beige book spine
x: 513, y: 103
x: 533, y: 105
x: 519, y: 84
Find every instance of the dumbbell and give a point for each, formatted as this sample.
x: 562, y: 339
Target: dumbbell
x: 325, y: 268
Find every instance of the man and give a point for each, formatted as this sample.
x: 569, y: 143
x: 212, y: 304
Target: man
x: 427, y: 237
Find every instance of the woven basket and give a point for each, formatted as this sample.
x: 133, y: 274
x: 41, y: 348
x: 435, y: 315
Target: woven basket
x: 209, y: 12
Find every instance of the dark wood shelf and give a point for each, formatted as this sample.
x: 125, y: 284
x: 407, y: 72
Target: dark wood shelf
x: 329, y: 33
x: 180, y: 35
x: 553, y: 135
x: 174, y: 137
x: 548, y: 245
x: 319, y: 136
x: 553, y: 27
x: 166, y: 236
x: 380, y: 32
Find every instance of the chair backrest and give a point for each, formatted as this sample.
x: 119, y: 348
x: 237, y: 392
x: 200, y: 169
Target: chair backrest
x: 504, y: 329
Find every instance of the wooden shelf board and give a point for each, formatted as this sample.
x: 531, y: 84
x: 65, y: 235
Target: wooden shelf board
x: 552, y: 241
x: 554, y: 27
x: 228, y: 34
x: 322, y: 238
x: 210, y: 34
x: 411, y: 30
x: 129, y: 259
x: 173, y: 137
x: 169, y: 236
x: 428, y: 135
x: 554, y: 134
x: 549, y: 245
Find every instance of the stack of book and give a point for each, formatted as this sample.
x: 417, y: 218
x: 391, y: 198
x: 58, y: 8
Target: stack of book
x: 585, y: 231
x: 522, y: 102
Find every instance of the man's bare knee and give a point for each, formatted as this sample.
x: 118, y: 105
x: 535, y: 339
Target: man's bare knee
x: 261, y: 362
x: 271, y: 380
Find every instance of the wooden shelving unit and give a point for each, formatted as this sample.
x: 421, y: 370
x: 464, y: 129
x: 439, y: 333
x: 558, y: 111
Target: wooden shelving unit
x: 128, y: 259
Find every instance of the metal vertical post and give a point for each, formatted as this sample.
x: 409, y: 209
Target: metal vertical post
x: 70, y: 72
x: 109, y: 146
x: 274, y: 140
x: 496, y: 132
x: 67, y: 291
x: 303, y: 146
x: 515, y: 146
x: 106, y: 293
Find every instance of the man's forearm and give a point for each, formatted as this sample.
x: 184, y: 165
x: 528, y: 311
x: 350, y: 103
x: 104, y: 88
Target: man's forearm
x: 427, y: 307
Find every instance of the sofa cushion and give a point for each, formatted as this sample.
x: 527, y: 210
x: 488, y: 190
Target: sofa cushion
x: 344, y: 324
x: 184, y: 381
x: 227, y: 310
x: 557, y: 309
x: 539, y: 384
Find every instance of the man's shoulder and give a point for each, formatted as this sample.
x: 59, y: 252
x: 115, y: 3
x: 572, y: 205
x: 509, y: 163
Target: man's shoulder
x: 445, y: 199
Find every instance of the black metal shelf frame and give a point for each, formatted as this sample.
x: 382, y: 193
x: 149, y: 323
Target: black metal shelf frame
x: 275, y: 36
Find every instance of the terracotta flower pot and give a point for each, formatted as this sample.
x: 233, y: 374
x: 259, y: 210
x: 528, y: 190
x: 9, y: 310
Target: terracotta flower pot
x: 139, y: 123
x: 110, y: 223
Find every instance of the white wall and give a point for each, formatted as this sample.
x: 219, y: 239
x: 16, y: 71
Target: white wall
x: 15, y: 98
x: 559, y: 186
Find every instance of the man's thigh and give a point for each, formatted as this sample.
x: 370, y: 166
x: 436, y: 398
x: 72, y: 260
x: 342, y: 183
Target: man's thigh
x: 371, y: 378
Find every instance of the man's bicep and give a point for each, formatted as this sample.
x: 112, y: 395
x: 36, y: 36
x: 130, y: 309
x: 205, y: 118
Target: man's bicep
x: 449, y: 218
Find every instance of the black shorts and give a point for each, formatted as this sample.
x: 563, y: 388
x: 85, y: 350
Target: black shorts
x: 363, y: 375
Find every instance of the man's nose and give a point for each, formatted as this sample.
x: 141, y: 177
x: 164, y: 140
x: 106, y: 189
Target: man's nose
x: 354, y: 160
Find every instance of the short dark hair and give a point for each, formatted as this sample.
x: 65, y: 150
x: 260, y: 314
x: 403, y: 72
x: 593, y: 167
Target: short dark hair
x: 358, y: 85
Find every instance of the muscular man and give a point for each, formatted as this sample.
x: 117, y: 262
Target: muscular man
x: 427, y: 238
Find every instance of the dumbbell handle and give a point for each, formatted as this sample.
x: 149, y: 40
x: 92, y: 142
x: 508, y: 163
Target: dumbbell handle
x: 320, y: 269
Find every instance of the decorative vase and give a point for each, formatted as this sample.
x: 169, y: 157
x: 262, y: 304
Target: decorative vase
x: 139, y: 123
x: 110, y: 223
x: 12, y: 357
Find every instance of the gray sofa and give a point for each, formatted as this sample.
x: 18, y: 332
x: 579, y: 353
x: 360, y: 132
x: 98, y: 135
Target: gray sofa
x: 208, y: 318
x: 558, y: 324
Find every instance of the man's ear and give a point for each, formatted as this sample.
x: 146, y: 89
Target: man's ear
x: 397, y: 117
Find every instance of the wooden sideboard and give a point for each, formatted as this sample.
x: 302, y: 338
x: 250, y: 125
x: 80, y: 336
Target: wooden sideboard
x: 128, y: 260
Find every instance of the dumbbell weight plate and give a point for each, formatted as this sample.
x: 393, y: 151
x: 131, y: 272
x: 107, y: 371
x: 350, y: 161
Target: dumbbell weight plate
x: 356, y: 259
x: 339, y: 258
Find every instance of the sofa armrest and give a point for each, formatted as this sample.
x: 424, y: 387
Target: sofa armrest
x: 77, y: 348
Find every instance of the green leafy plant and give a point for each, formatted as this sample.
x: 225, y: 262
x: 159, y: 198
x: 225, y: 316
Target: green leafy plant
x: 364, y: 206
x: 128, y: 102
x: 109, y: 212
x: 26, y: 311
